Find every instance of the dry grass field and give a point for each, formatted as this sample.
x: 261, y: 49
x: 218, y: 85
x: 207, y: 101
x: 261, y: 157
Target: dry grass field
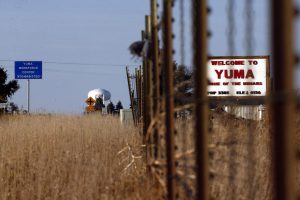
x: 70, y: 158
x: 95, y: 157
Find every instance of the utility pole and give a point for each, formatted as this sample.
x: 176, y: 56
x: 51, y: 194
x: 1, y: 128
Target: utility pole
x: 169, y: 83
x: 283, y: 100
x: 201, y: 100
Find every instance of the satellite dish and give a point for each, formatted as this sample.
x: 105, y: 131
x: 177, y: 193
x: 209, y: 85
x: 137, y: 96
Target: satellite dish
x: 103, y: 94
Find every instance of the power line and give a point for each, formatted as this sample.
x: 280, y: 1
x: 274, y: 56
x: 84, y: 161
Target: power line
x: 74, y: 72
x: 79, y: 63
x: 83, y: 72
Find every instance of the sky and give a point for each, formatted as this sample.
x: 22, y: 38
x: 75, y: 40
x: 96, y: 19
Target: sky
x: 84, y: 45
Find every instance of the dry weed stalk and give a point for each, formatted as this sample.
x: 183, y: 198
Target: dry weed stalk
x: 131, y: 158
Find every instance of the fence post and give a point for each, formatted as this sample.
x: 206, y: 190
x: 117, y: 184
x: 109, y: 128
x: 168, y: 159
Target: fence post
x: 145, y: 100
x: 169, y: 84
x: 138, y: 94
x: 148, y: 73
x: 283, y: 100
x: 155, y: 78
x: 201, y: 99
x: 130, y: 95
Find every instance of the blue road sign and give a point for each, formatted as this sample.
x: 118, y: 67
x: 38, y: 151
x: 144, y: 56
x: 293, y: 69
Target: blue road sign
x: 28, y: 70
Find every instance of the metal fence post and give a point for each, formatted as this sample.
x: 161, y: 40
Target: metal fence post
x: 169, y: 84
x: 283, y: 100
x: 148, y: 73
x: 201, y: 99
x: 130, y: 95
x: 145, y: 100
x: 155, y: 78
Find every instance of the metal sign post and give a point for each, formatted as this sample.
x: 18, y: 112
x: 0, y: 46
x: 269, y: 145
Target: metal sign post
x: 28, y: 95
x: 28, y: 70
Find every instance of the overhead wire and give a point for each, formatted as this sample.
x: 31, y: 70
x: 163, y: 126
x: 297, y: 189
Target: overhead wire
x: 79, y: 63
x: 82, y: 70
x: 79, y: 72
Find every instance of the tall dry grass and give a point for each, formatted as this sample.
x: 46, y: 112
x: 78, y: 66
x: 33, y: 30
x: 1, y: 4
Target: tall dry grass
x: 240, y: 158
x: 95, y: 157
x: 70, y: 157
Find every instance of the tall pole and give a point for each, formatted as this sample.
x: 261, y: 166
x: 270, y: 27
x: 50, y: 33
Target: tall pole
x: 201, y: 100
x: 169, y: 83
x: 283, y: 99
x: 28, y: 95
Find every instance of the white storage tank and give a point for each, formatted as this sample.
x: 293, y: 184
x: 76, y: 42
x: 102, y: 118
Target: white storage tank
x: 102, y: 93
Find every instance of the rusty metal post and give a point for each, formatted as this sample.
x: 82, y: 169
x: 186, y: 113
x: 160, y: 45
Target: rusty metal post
x: 201, y: 100
x: 141, y: 92
x: 137, y: 95
x: 169, y: 84
x: 149, y: 96
x: 155, y: 78
x: 149, y: 72
x: 155, y: 55
x: 138, y: 89
x: 283, y: 100
x: 145, y: 100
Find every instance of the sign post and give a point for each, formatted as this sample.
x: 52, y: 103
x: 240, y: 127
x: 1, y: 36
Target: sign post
x: 28, y: 95
x: 28, y: 70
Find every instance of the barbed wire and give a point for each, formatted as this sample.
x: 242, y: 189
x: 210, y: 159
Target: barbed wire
x: 249, y: 27
x: 182, y: 31
x: 231, y: 27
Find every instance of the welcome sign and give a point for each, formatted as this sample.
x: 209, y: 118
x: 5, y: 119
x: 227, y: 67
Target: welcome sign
x: 237, y: 76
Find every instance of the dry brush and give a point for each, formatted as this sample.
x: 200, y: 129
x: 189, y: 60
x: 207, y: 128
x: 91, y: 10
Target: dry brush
x: 70, y: 157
